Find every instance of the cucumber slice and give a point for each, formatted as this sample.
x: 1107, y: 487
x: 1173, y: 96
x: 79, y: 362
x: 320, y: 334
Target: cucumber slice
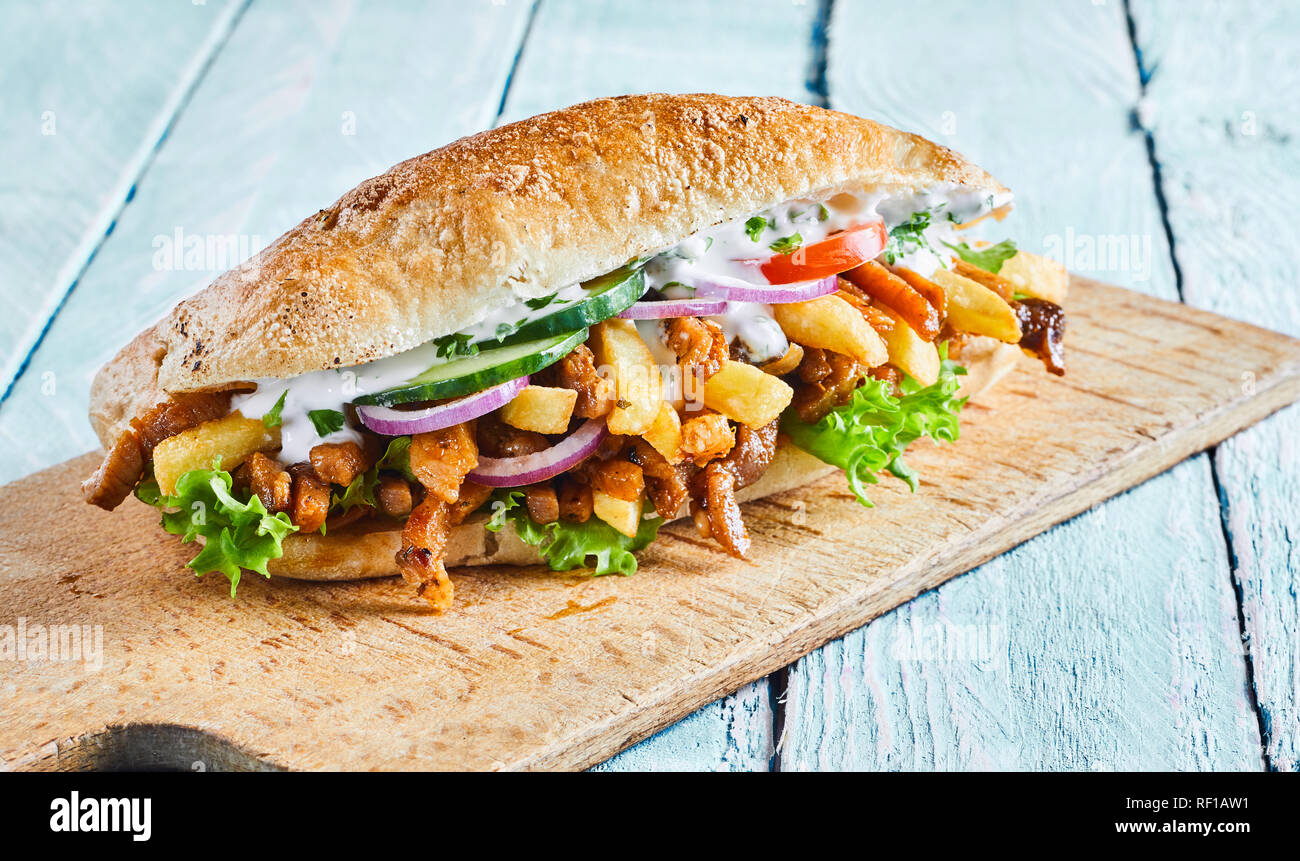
x: 465, y: 375
x: 607, y: 296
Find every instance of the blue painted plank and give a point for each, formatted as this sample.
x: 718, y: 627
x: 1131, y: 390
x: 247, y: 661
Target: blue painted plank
x: 1053, y: 656
x: 582, y: 49
x: 1220, y: 105
x: 292, y: 113
x: 1111, y: 641
x: 89, y: 91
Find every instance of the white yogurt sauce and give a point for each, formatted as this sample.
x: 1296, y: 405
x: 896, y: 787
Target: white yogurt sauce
x: 329, y: 390
x: 716, y: 252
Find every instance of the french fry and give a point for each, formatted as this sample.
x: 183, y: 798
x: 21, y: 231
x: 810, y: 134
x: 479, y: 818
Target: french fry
x: 618, y: 346
x: 831, y: 323
x: 977, y: 310
x: 897, y: 294
x: 745, y: 394
x: 665, y: 435
x: 910, y: 353
x: 996, y: 283
x: 232, y: 439
x: 541, y: 408
x: 1037, y: 276
x: 623, y: 515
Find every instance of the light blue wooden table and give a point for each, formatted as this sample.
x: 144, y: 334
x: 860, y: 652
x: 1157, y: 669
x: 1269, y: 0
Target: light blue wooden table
x: 1158, y: 631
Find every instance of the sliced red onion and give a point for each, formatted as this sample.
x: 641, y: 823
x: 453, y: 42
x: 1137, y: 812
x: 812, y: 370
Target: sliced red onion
x: 531, y: 468
x: 661, y: 310
x: 391, y: 422
x: 769, y: 294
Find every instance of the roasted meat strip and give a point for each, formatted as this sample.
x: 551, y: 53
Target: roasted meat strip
x: 440, y: 460
x: 125, y: 460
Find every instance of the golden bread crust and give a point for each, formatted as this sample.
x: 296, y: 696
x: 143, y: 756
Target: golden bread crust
x: 428, y: 247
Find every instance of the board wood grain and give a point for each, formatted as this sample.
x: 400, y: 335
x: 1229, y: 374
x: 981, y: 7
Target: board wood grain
x: 539, y: 670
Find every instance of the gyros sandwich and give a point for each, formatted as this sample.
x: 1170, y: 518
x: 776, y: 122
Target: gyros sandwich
x: 541, y: 342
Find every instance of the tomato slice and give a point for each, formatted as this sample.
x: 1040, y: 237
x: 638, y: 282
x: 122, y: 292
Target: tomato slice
x: 837, y: 253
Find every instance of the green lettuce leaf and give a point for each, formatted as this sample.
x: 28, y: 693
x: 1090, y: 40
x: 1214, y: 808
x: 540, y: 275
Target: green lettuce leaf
x: 237, y: 535
x: 397, y: 457
x: 989, y: 259
x: 870, y: 433
x: 566, y: 545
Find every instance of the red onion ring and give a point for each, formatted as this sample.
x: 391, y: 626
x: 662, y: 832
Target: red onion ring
x: 661, y: 310
x: 531, y: 468
x: 391, y: 422
x: 768, y: 294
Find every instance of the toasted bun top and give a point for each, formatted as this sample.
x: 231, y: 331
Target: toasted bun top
x: 519, y: 211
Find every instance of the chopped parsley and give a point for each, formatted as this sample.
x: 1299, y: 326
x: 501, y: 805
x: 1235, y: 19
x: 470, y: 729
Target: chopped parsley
x: 908, y: 237
x: 455, y: 345
x: 272, y: 418
x: 787, y: 244
x: 755, y: 226
x: 326, y: 422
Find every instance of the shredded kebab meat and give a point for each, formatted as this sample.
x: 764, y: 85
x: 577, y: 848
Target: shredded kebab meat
x: 339, y: 463
x: 1042, y: 325
x: 124, y: 463
x: 713, y: 489
x: 700, y: 345
x: 874, y: 280
x: 829, y: 380
x: 393, y: 496
x: 272, y: 485
x: 577, y: 371
x: 310, y: 498
x: 440, y: 460
x: 575, y: 500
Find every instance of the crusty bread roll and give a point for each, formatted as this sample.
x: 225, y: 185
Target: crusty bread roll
x: 429, y: 247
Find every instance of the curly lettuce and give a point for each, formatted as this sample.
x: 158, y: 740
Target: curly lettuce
x: 869, y: 434
x: 564, y: 545
x: 237, y: 534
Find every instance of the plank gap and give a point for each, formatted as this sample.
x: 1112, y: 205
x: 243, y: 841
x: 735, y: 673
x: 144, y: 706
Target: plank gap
x: 1157, y: 178
x: 818, y: 84
x: 514, y: 64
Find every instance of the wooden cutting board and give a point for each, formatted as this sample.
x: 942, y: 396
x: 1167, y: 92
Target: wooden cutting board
x: 540, y: 670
